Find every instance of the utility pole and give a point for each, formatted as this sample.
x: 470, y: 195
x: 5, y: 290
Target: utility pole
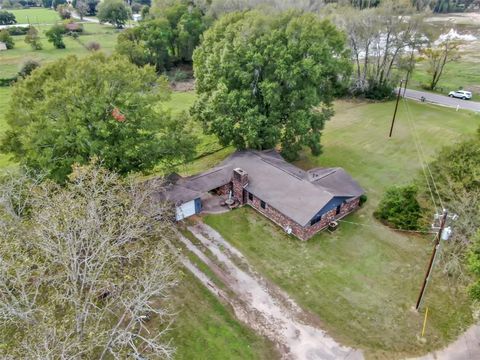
x: 396, y: 107
x: 440, y: 236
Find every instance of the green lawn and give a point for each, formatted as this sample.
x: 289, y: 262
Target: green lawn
x: 4, y: 99
x: 35, y: 16
x: 206, y: 330
x: 362, y: 281
x: 12, y: 60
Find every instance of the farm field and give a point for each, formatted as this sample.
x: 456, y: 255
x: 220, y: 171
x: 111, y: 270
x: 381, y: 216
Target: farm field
x: 363, y: 280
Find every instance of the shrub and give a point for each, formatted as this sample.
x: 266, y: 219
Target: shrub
x: 28, y: 67
x: 7, y: 81
x: 136, y: 7
x: 7, y: 39
x: 55, y: 36
x: 64, y: 11
x: 33, y: 39
x: 363, y: 199
x: 18, y: 30
x: 376, y: 91
x: 93, y: 46
x: 71, y: 26
x: 7, y: 18
x: 399, y: 208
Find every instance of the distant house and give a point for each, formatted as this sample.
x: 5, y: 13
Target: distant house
x: 301, y: 202
x: 3, y: 46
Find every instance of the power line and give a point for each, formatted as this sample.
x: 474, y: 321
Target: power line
x: 422, y: 158
x: 383, y: 227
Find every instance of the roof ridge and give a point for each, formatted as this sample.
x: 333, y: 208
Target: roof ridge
x: 212, y: 171
x: 282, y: 169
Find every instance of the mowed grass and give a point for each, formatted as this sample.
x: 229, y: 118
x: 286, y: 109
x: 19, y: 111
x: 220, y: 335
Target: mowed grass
x: 4, y: 99
x: 205, y: 329
x: 363, y: 280
x: 35, y: 16
x: 11, y: 60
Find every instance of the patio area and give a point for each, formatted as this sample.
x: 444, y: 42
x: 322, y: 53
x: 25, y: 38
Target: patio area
x: 214, y: 204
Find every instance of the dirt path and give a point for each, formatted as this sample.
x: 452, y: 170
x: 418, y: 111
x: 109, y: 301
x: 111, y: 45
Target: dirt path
x: 265, y: 309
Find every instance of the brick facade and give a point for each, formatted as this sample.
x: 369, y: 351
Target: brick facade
x: 303, y: 233
x: 224, y: 189
x: 240, y: 181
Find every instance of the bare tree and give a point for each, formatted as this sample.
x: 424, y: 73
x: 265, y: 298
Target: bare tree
x: 378, y: 38
x: 83, y: 268
x: 437, y: 56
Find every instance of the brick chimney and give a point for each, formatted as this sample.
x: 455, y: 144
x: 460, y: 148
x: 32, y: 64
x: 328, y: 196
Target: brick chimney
x: 239, y: 181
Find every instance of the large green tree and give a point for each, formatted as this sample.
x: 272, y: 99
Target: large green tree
x: 114, y: 12
x: 168, y: 39
x: 266, y: 79
x: 75, y: 109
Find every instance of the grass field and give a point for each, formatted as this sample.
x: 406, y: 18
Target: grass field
x: 12, y: 60
x: 35, y: 16
x: 362, y: 281
x: 207, y: 330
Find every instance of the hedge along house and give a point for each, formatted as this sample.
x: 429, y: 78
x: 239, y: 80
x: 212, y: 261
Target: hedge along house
x: 301, y: 202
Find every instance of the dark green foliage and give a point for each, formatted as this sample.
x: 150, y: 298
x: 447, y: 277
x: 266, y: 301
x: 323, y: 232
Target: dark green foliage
x: 376, y: 91
x: 458, y: 168
x: 399, y: 208
x: 55, y: 36
x: 474, y: 266
x: 147, y: 43
x: 56, y: 3
x: 7, y: 39
x: 28, y: 67
x: 7, y: 18
x: 168, y: 39
x: 267, y: 79
x: 114, y: 12
x: 92, y: 7
x: 18, y: 30
x: 94, y: 107
x: 47, y: 3
x: 363, y: 199
x: 7, y: 81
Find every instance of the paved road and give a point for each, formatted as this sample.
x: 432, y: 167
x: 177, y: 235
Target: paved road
x: 442, y: 100
x: 466, y: 347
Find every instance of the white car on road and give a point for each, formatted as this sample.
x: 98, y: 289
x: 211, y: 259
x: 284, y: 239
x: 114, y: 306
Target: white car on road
x: 465, y: 95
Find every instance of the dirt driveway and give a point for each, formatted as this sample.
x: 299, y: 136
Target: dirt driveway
x: 259, y: 304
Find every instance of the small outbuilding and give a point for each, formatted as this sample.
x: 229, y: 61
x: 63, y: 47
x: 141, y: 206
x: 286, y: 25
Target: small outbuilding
x: 3, y: 46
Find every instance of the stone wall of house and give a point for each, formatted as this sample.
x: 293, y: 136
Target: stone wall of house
x: 224, y: 189
x: 303, y: 233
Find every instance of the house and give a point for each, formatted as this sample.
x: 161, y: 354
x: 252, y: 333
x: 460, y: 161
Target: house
x: 3, y: 46
x: 301, y: 202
